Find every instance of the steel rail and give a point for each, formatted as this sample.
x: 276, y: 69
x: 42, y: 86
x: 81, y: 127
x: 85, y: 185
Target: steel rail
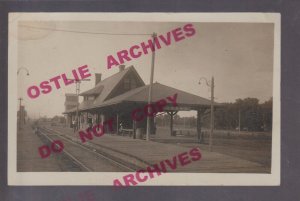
x: 91, y: 150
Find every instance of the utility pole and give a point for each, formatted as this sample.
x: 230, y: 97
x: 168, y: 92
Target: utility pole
x: 212, y: 120
x: 77, y: 82
x: 239, y: 120
x: 20, y: 113
x: 150, y: 87
x: 211, y: 84
x: 77, y: 104
x: 20, y: 99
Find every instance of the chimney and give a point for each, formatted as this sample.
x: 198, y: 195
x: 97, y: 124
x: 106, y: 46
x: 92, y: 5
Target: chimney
x: 121, y: 68
x: 97, y: 78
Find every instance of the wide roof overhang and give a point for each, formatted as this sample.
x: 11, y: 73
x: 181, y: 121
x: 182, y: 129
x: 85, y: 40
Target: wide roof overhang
x: 140, y: 96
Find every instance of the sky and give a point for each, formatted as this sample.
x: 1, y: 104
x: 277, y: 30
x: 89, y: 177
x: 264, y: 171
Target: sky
x: 238, y: 55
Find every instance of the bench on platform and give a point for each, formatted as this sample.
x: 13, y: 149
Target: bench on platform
x: 127, y: 131
x: 183, y: 132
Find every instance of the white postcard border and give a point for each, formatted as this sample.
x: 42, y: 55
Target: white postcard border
x: 168, y: 179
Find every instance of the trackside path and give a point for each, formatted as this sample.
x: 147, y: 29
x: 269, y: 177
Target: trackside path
x: 153, y: 152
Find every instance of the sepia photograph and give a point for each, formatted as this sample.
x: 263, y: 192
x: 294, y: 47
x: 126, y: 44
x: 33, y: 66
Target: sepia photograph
x: 134, y: 99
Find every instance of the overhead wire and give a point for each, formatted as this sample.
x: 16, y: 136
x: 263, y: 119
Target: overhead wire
x: 84, y: 32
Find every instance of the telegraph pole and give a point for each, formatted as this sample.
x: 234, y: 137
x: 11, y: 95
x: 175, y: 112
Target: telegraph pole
x: 20, y: 104
x: 20, y: 99
x: 212, y: 114
x: 77, y: 82
x: 210, y: 84
x: 77, y: 104
x: 239, y: 120
x: 150, y: 87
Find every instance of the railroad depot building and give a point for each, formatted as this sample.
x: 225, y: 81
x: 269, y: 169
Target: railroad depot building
x: 120, y: 94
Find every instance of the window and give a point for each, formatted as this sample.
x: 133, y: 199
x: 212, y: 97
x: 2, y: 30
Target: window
x: 133, y: 84
x: 126, y: 83
x: 129, y: 83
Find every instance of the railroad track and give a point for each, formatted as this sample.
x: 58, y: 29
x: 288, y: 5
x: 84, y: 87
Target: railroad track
x: 87, y: 158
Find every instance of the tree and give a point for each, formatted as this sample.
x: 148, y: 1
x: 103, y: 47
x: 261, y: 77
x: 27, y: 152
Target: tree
x: 253, y: 116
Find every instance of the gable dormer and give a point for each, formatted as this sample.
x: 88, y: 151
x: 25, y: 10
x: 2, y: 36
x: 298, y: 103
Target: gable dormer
x: 89, y: 98
x: 125, y: 80
x: 129, y: 81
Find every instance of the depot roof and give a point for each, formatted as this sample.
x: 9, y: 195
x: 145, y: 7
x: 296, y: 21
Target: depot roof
x: 140, y: 94
x: 159, y: 91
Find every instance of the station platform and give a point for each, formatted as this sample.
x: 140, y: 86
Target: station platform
x: 152, y: 152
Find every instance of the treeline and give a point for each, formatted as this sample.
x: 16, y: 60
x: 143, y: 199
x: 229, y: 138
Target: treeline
x: 58, y: 119
x: 251, y: 115
x: 248, y: 112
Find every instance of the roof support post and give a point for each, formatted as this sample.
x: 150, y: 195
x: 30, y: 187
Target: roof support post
x: 171, y: 113
x: 118, y: 123
x: 78, y: 120
x: 98, y: 117
x: 103, y: 120
x: 134, y: 129
x: 171, y: 125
